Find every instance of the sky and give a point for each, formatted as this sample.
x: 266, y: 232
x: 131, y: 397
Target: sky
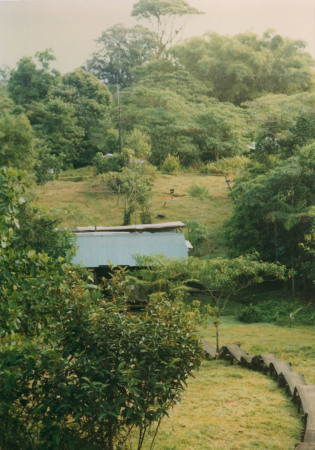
x: 71, y: 27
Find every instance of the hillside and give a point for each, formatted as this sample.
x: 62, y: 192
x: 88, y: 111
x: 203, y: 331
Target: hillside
x: 93, y: 204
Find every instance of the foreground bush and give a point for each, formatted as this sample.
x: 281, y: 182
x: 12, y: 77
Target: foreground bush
x: 78, y: 370
x: 108, y: 373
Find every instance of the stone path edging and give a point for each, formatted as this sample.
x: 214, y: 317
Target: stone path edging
x: 301, y: 393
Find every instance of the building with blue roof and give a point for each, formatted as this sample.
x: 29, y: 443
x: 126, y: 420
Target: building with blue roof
x: 100, y: 248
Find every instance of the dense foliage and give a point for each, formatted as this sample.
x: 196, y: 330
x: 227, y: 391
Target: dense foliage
x: 246, y: 66
x: 219, y: 278
x: 282, y: 313
x: 77, y: 369
x: 188, y: 98
x: 274, y: 211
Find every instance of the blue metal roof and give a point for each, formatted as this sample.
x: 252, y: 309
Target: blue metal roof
x: 100, y: 248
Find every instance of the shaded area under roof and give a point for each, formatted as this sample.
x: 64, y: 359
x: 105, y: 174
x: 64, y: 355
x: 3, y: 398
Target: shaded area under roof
x: 141, y: 227
x: 99, y: 248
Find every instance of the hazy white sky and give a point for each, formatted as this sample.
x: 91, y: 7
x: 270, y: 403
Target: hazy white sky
x: 70, y: 27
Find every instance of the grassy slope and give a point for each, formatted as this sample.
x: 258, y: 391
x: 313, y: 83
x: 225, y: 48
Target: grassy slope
x: 229, y: 407
x: 99, y: 207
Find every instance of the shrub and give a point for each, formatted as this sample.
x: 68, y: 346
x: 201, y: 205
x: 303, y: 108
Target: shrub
x: 109, y: 372
x: 278, y: 312
x: 78, y: 370
x: 114, y: 163
x: 198, y: 191
x: 198, y: 235
x: 171, y: 164
x: 225, y: 165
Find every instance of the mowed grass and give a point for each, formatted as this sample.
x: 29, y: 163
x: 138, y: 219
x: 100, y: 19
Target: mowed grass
x: 229, y: 407
x: 97, y: 206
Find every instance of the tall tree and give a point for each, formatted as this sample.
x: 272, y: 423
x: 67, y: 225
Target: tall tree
x: 274, y: 211
x: 17, y: 146
x: 280, y: 125
x: 167, y: 74
x: 28, y: 83
x: 221, y: 130
x: 178, y: 126
x: 162, y: 15
x: 246, y: 66
x: 166, y: 117
x: 90, y: 100
x: 121, y: 49
x: 56, y: 125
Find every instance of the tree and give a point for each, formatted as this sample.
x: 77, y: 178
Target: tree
x: 166, y: 117
x: 121, y: 49
x: 28, y: 83
x: 136, y: 186
x: 17, y: 144
x: 223, y: 278
x: 48, y: 166
x: 280, y: 125
x: 4, y: 75
x: 39, y: 231
x: 273, y: 212
x: 138, y: 143
x: 11, y: 197
x: 178, y: 126
x: 162, y: 14
x: 88, y: 100
x: 246, y: 66
x: 219, y: 278
x: 169, y: 74
x: 221, y: 130
x: 56, y: 126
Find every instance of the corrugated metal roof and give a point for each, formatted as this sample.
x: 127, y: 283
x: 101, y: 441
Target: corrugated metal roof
x: 98, y: 248
x: 140, y: 227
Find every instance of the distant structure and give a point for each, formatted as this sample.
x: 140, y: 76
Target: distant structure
x: 99, y: 246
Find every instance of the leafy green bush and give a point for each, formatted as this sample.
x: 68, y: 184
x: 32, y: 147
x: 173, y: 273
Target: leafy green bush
x: 78, y: 370
x: 38, y: 232
x: 225, y: 165
x: 48, y: 166
x: 113, y: 163
x: 198, y: 236
x: 278, y: 312
x: 171, y: 164
x: 197, y: 191
x: 109, y: 372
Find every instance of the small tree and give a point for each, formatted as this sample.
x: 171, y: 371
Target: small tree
x: 219, y: 278
x: 223, y: 278
x: 136, y: 187
x: 139, y: 143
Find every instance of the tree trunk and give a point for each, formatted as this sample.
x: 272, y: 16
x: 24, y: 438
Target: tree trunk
x: 217, y: 337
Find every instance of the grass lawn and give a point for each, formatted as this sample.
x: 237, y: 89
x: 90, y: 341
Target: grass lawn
x: 97, y: 206
x: 229, y: 407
